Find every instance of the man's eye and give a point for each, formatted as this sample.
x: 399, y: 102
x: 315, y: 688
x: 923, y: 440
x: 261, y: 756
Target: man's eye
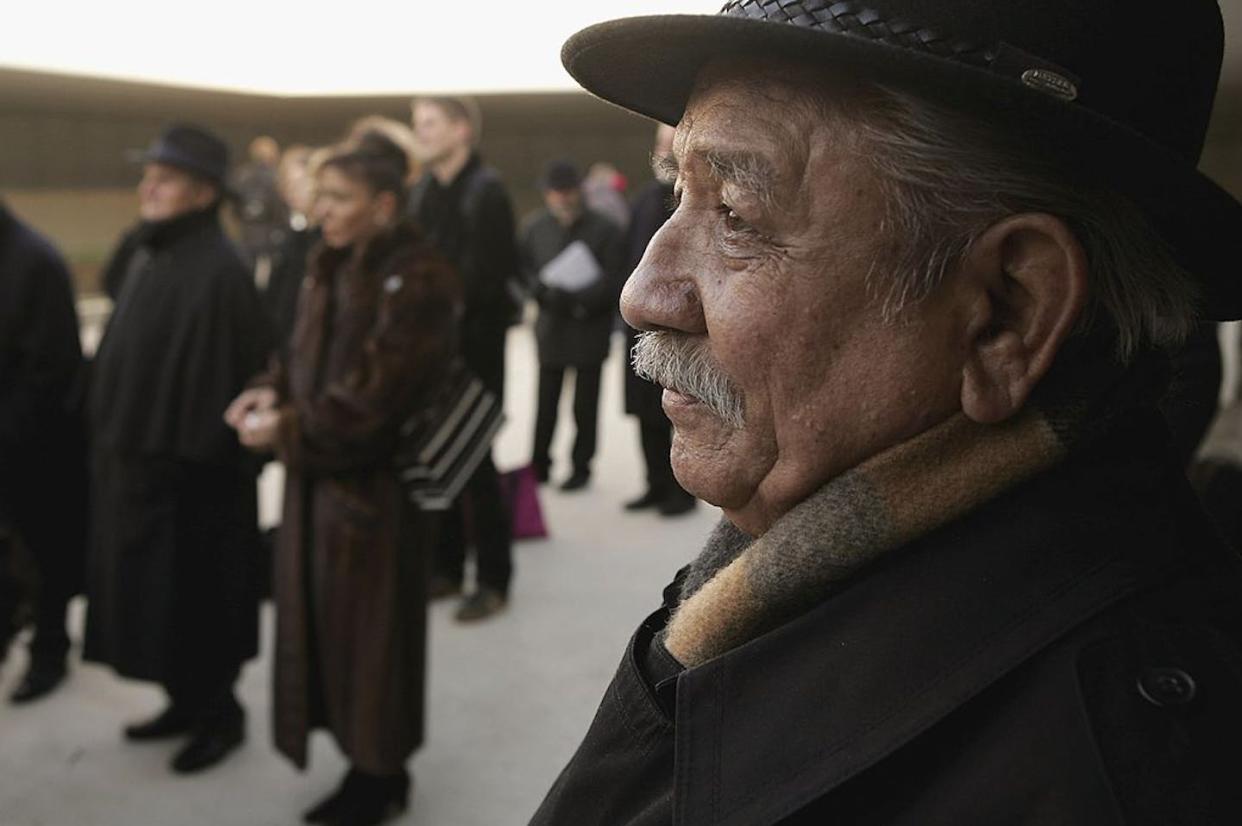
x: 733, y: 221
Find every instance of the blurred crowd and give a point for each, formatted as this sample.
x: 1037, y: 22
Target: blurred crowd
x: 352, y: 328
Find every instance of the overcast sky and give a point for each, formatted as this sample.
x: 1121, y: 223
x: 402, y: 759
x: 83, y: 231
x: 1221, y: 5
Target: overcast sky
x: 344, y: 47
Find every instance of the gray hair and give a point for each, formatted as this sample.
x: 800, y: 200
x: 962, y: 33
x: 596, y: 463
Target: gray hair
x: 948, y: 177
x: 684, y: 364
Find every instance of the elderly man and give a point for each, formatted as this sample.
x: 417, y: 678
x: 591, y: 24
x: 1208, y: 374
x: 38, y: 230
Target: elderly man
x: 172, y: 577
x: 908, y: 314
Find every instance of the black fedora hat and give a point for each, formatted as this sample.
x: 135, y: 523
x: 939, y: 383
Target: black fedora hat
x: 192, y: 148
x: 560, y: 175
x: 1120, y: 90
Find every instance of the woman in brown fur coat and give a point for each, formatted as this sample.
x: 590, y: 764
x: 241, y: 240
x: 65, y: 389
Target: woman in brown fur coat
x: 376, y: 325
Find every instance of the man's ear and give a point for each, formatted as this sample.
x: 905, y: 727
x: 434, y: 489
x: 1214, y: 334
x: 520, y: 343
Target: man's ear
x: 1026, y: 279
x: 205, y: 194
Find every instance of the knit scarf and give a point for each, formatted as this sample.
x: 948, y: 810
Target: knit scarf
x: 739, y: 588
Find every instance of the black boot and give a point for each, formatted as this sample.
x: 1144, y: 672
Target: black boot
x: 577, y: 480
x: 370, y: 799
x: 650, y: 499
x: 214, y: 736
x: 173, y: 721
x: 41, y: 678
x: 676, y: 503
x: 325, y: 810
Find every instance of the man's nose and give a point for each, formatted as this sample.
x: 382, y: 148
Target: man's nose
x: 662, y: 293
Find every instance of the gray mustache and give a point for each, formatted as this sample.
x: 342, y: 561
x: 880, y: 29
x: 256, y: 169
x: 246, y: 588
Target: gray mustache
x: 683, y: 364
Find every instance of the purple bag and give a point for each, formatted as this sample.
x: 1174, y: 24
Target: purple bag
x: 521, y: 491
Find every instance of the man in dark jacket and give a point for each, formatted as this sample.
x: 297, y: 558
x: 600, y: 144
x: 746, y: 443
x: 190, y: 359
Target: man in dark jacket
x: 42, y: 443
x: 573, y: 258
x: 174, y: 525
x: 652, y: 209
x: 910, y: 315
x: 462, y: 206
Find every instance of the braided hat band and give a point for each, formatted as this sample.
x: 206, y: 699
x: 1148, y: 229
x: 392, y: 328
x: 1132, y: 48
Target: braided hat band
x: 851, y: 19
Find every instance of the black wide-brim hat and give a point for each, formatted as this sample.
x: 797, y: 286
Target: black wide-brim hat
x: 560, y: 175
x: 193, y: 149
x: 1120, y: 91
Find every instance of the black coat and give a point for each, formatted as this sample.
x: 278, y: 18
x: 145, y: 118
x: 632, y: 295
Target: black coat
x: 574, y: 328
x: 42, y: 439
x: 284, y: 286
x: 1067, y: 654
x: 470, y: 222
x: 652, y: 208
x: 172, y: 579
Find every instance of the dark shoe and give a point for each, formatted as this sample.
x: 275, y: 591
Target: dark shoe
x: 677, y: 504
x: 577, y: 481
x: 326, y: 810
x: 648, y: 500
x: 442, y: 587
x: 40, y: 680
x: 209, y: 746
x: 480, y: 605
x: 368, y: 800
x: 171, y: 722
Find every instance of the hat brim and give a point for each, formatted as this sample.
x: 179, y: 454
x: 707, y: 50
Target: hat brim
x: 171, y: 157
x: 649, y: 65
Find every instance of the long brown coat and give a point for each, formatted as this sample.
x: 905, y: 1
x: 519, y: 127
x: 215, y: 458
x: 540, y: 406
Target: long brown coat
x: 375, y: 326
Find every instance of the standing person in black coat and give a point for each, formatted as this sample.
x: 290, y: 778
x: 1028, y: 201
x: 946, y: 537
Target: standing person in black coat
x: 172, y: 584
x: 652, y: 208
x: 42, y: 443
x: 294, y: 180
x: 913, y: 314
x: 261, y: 209
x: 463, y: 207
x: 574, y: 327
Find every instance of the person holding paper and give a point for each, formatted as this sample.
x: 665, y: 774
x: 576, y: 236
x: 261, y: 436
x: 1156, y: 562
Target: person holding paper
x: 573, y: 260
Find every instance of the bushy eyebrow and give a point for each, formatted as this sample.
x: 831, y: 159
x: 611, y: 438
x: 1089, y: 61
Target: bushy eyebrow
x: 746, y: 170
x: 667, y: 165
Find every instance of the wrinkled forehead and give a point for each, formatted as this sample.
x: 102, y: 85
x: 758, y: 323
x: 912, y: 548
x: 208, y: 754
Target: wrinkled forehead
x: 782, y: 114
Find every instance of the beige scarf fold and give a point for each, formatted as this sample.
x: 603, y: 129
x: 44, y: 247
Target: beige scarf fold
x: 894, y: 497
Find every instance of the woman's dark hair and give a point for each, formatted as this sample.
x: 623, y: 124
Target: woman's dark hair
x: 375, y: 160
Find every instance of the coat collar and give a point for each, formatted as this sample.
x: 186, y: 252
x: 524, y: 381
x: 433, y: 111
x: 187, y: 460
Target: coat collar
x: 159, y: 235
x: 367, y: 258
x: 898, y: 649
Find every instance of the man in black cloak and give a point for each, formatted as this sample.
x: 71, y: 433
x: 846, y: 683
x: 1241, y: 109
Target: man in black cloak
x: 42, y: 446
x: 173, y: 566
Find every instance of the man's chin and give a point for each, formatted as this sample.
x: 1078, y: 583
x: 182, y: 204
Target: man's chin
x: 705, y: 466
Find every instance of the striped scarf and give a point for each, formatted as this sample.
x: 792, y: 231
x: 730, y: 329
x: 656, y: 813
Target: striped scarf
x: 740, y: 588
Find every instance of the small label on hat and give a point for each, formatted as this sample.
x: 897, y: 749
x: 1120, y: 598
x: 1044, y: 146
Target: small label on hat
x: 393, y: 283
x: 1051, y: 82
